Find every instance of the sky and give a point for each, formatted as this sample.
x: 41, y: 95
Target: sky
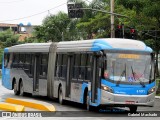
x: 32, y: 11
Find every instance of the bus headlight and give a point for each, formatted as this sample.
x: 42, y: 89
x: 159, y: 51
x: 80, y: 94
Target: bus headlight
x: 151, y: 90
x: 106, y: 88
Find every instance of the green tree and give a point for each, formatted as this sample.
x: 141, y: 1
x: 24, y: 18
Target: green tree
x: 54, y: 28
x: 8, y: 38
x: 147, y: 18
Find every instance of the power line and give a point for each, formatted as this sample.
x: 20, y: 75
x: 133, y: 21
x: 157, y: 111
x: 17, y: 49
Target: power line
x: 34, y: 14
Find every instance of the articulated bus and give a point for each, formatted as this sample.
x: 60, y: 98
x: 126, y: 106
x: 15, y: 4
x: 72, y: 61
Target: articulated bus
x: 98, y: 72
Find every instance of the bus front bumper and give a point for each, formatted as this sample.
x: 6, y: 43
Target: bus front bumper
x: 126, y: 100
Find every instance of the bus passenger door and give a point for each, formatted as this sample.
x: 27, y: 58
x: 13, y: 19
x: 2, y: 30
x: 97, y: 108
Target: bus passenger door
x: 36, y: 73
x: 95, y: 79
x: 69, y: 74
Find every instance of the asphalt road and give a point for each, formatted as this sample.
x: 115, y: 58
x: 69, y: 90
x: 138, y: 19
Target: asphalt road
x: 74, y: 109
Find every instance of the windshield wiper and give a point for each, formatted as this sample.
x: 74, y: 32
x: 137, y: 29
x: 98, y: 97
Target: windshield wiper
x: 124, y: 72
x: 134, y: 73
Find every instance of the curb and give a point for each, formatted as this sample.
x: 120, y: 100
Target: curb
x: 31, y: 104
x: 11, y: 107
x: 157, y: 97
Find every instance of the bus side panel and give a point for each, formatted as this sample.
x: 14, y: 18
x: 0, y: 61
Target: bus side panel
x: 42, y: 87
x: 21, y: 74
x: 56, y: 85
x: 76, y: 88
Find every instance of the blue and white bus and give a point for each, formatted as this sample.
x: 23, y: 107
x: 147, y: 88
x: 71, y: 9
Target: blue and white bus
x: 98, y: 72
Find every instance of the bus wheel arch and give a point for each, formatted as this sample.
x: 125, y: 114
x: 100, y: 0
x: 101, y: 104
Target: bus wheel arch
x: 85, y: 95
x: 13, y: 80
x: 87, y: 99
x: 14, y: 86
x: 60, y: 94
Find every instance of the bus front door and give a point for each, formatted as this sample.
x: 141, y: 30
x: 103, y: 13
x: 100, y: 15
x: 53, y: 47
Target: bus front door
x: 69, y: 74
x: 95, y: 79
x: 36, y: 73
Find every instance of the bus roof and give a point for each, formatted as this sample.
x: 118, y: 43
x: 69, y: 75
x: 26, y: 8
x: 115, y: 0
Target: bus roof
x: 84, y: 45
x: 29, y: 47
x: 103, y: 44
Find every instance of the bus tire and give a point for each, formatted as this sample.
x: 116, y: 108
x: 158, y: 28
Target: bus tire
x: 133, y: 109
x: 21, y: 88
x: 60, y: 96
x: 16, y: 92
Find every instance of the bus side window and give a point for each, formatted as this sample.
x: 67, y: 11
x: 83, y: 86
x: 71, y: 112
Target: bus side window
x: 88, y: 67
x: 21, y: 60
x: 83, y: 66
x: 15, y: 60
x: 56, y: 67
x: 76, y: 66
x: 64, y: 66
x: 43, y: 65
x: 31, y: 68
x: 6, y: 60
x: 59, y: 65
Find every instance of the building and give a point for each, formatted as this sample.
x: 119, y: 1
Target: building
x: 4, y: 26
x: 23, y: 30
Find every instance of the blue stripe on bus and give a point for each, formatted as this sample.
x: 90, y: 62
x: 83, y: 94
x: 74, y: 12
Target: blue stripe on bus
x: 129, y: 89
x: 98, y: 100
x: 6, y: 78
x: 149, y: 49
x: 6, y: 50
x: 100, y: 44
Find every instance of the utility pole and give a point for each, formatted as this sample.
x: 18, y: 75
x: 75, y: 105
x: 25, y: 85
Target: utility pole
x: 62, y: 36
x: 112, y: 19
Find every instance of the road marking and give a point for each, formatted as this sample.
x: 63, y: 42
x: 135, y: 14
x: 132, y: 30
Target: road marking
x: 11, y: 107
x: 31, y: 104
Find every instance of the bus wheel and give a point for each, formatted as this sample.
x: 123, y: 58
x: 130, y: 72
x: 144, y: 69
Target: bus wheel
x: 16, y: 92
x: 21, y: 89
x: 133, y: 109
x: 60, y: 95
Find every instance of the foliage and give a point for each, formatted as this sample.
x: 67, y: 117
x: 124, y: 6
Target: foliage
x: 8, y: 38
x: 143, y: 15
x: 1, y: 55
x: 57, y: 28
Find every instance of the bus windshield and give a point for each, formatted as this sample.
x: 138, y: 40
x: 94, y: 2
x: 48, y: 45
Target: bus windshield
x: 129, y: 68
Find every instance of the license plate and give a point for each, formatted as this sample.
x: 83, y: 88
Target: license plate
x: 130, y: 102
